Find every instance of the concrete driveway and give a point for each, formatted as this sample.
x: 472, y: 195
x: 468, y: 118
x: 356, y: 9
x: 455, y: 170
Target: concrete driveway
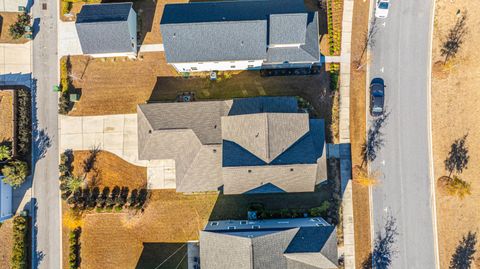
x: 12, y: 5
x: 68, y: 42
x: 16, y: 58
x: 116, y: 134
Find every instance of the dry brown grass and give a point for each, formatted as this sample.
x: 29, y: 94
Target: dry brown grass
x: 6, y: 115
x: 6, y: 243
x: 361, y: 209
x: 455, y: 112
x: 115, y: 240
x: 7, y: 19
x: 110, y: 171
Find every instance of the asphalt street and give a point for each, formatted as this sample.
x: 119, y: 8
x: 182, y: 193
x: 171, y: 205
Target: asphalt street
x: 400, y: 56
x: 47, y: 233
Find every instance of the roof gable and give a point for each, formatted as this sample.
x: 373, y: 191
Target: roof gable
x: 266, y: 135
x: 288, y: 29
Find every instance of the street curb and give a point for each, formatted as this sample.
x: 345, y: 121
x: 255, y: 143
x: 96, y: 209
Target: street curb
x: 430, y: 139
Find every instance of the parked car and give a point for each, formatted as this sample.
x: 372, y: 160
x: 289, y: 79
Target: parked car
x: 381, y: 11
x: 377, y: 97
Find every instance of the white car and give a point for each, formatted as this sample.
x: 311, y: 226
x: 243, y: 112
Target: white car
x: 382, y: 9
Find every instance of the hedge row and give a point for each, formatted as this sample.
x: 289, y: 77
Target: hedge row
x: 20, y: 243
x: 24, y: 124
x: 74, y: 254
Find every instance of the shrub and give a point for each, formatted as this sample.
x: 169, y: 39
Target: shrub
x: 19, y: 254
x: 24, y: 123
x: 321, y: 211
x: 72, y: 219
x: 17, y: 30
x: 74, y: 242
x: 15, y: 173
x: 455, y: 186
x: 5, y: 152
x: 66, y: 7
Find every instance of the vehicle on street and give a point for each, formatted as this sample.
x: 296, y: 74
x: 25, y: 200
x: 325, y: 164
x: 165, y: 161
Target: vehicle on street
x: 381, y: 10
x: 377, y: 97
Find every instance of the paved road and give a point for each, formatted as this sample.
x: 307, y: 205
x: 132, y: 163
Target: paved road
x: 45, y: 181
x: 401, y: 57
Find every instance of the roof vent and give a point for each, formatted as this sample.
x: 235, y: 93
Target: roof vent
x: 214, y: 150
x: 291, y: 169
x: 174, y: 35
x: 223, y: 18
x: 249, y: 170
x: 149, y: 131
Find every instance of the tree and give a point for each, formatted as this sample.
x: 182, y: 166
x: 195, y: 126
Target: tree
x: 73, y: 182
x: 5, y: 152
x: 364, y: 177
x: 368, y: 42
x: 457, y: 159
x: 455, y: 37
x: 464, y: 253
x: 17, y: 30
x: 15, y: 173
x: 455, y: 186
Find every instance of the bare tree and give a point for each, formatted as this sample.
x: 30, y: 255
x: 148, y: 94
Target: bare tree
x: 464, y: 253
x: 457, y: 159
x: 455, y: 37
x: 368, y: 42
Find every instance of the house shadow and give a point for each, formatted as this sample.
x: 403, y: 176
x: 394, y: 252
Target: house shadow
x: 163, y: 256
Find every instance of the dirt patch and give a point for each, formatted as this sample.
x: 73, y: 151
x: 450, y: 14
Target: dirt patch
x: 7, y: 19
x: 455, y: 112
x: 6, y: 237
x: 361, y: 207
x: 110, y: 170
x: 6, y: 115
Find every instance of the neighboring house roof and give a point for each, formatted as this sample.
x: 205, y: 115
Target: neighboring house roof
x: 239, y: 30
x: 302, y: 243
x: 242, y: 144
x: 104, y: 28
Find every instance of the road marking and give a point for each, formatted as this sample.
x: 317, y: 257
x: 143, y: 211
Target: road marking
x: 383, y: 162
x: 386, y: 209
x: 382, y: 69
x: 384, y: 23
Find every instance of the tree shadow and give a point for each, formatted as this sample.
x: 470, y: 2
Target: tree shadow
x: 457, y: 159
x: 89, y: 162
x: 383, y: 250
x: 464, y: 253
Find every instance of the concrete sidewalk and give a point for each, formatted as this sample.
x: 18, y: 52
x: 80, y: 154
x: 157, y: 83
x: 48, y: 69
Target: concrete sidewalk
x: 68, y: 41
x: 116, y: 134
x: 12, y: 5
x: 16, y: 58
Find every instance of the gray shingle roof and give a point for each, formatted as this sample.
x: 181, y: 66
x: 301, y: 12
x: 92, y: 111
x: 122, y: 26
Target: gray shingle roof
x: 288, y: 28
x: 103, y: 28
x: 194, y: 134
x: 307, y: 52
x: 266, y: 135
x: 236, y: 30
x: 267, y: 247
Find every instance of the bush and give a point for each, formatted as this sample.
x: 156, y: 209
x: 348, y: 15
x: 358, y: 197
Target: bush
x: 17, y: 30
x: 24, y: 123
x: 74, y: 241
x: 15, y: 173
x: 321, y: 211
x: 20, y: 243
x: 5, y: 152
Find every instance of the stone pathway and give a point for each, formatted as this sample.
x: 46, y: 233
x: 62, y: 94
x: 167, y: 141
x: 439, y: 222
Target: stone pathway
x: 116, y: 134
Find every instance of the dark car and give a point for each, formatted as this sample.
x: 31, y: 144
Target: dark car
x: 377, y: 97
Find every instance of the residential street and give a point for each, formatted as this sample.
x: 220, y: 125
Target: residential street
x: 401, y: 57
x: 47, y: 235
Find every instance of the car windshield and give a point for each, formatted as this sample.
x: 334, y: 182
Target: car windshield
x: 377, y: 109
x: 383, y: 5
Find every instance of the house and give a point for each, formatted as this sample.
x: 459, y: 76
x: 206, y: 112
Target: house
x: 240, y: 35
x: 108, y: 30
x: 299, y: 243
x: 248, y: 145
x: 5, y: 200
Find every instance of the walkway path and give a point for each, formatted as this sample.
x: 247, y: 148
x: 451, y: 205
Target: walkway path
x: 344, y: 122
x: 116, y: 134
x: 16, y: 58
